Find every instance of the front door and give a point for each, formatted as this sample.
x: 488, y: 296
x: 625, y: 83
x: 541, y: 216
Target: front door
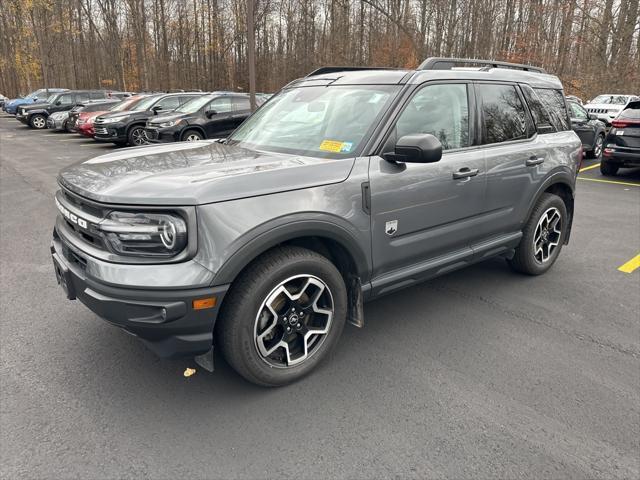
x: 220, y: 123
x: 581, y: 125
x: 424, y: 215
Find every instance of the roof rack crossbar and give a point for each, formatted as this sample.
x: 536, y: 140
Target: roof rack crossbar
x: 323, y: 70
x: 442, y: 63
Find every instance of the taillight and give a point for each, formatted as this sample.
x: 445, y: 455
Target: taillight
x: 625, y: 123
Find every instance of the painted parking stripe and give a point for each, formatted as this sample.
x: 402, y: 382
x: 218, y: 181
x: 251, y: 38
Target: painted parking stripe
x: 588, y: 168
x: 631, y: 265
x: 609, y: 181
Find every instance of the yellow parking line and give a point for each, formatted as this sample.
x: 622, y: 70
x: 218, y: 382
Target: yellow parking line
x: 631, y: 265
x: 609, y: 181
x: 588, y: 168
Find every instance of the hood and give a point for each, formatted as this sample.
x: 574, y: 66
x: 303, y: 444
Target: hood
x: 128, y: 113
x: 36, y: 106
x: 168, y: 117
x: 193, y: 173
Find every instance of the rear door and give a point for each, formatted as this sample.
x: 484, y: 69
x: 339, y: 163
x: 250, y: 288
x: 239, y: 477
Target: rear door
x: 220, y: 121
x: 516, y: 156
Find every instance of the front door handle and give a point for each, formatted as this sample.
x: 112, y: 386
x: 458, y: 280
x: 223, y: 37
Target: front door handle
x: 465, y: 172
x: 531, y: 161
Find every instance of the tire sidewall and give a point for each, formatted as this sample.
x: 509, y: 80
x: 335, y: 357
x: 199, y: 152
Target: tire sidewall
x: 130, y: 135
x: 547, y: 202
x: 32, y: 123
x: 245, y: 318
x: 189, y: 132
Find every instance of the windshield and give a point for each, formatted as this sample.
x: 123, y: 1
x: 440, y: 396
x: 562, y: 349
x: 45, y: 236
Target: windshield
x: 128, y: 104
x: 51, y: 98
x: 328, y: 122
x: 147, y: 103
x: 610, y: 99
x: 194, y: 105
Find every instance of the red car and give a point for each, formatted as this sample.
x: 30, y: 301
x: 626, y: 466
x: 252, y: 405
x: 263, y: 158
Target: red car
x: 84, y: 124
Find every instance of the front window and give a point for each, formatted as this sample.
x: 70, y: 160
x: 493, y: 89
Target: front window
x: 610, y: 99
x: 147, y: 103
x: 193, y: 105
x: 319, y: 121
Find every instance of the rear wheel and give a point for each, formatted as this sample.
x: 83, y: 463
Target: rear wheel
x: 38, y: 121
x: 608, y: 169
x: 137, y: 136
x: 543, y: 236
x: 191, y: 136
x: 283, y: 316
x: 597, y: 147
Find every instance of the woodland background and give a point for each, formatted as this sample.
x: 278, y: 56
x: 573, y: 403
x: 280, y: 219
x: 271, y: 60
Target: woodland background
x: 142, y: 45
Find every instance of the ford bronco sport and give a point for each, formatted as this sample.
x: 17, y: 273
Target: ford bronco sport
x: 346, y: 185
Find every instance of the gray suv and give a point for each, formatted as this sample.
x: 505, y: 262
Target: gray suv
x: 348, y: 184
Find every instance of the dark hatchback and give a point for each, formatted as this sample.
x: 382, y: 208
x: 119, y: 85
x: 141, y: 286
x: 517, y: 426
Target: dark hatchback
x: 127, y: 128
x: 622, y: 145
x: 214, y: 115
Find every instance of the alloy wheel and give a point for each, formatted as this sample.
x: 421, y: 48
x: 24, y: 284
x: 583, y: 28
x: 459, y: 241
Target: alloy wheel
x: 192, y: 137
x: 293, y: 321
x: 138, y: 136
x: 39, y: 122
x: 547, y: 235
x: 597, y: 148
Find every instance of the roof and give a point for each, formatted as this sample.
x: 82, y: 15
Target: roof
x: 494, y: 71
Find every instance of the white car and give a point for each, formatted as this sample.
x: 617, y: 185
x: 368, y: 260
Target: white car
x: 607, y: 106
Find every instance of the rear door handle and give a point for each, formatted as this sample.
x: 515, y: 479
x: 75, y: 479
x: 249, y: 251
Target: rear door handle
x: 531, y: 161
x: 465, y: 172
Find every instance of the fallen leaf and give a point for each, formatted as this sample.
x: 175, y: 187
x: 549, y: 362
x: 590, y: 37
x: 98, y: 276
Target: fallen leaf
x: 189, y: 371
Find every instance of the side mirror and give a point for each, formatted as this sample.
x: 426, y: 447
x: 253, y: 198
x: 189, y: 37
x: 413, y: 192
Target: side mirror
x: 210, y: 113
x: 59, y: 102
x: 156, y: 109
x: 416, y: 148
x: 593, y: 116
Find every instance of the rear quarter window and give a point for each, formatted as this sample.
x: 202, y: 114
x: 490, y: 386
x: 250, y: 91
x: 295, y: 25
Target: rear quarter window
x: 553, y: 100
x: 539, y: 112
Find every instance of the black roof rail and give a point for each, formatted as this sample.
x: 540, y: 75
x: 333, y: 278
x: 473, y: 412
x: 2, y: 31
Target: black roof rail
x: 323, y: 70
x: 442, y: 63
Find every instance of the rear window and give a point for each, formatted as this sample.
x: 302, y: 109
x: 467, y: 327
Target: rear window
x: 553, y: 100
x: 541, y: 116
x: 630, y: 113
x: 503, y: 113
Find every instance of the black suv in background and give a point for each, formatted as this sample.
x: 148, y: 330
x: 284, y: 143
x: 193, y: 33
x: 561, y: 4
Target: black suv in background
x: 35, y: 115
x: 214, y: 115
x: 622, y: 145
x: 590, y: 130
x: 127, y: 128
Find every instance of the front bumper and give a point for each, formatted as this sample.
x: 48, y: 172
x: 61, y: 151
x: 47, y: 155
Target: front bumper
x: 164, y: 319
x: 24, y: 118
x: 163, y: 135
x: 55, y: 124
x: 110, y: 132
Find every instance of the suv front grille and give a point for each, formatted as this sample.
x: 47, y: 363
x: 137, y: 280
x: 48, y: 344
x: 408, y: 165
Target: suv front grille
x: 100, y: 130
x: 83, y: 210
x: 598, y: 110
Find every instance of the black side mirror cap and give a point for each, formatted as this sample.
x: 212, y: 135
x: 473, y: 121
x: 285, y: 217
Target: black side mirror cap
x: 593, y: 116
x: 210, y: 113
x: 416, y: 148
x: 59, y: 102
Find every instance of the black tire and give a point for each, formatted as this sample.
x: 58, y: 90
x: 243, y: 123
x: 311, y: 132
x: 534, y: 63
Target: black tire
x: 526, y: 259
x: 608, y: 169
x: 238, y: 324
x: 597, y: 147
x: 190, y: 136
x: 136, y: 136
x: 37, y: 121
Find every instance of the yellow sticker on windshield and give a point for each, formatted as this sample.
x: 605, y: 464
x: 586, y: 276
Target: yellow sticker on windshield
x: 335, y: 146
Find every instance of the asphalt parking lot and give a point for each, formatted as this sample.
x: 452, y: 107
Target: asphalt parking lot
x: 481, y: 373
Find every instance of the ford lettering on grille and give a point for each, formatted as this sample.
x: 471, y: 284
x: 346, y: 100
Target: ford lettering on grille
x: 72, y: 217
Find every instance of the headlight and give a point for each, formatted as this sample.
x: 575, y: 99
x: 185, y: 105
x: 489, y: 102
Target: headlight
x: 114, y: 119
x: 144, y: 234
x: 170, y: 123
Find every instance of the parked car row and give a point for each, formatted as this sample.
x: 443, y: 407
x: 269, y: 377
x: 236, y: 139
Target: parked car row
x: 136, y: 119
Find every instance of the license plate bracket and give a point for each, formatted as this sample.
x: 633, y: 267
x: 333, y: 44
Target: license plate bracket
x: 63, y: 277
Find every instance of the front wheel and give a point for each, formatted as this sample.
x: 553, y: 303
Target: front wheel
x: 542, y: 237
x: 283, y: 316
x: 38, y: 121
x: 137, y: 136
x: 191, y: 136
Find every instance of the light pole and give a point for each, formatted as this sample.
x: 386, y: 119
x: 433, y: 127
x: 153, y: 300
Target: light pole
x: 251, y: 53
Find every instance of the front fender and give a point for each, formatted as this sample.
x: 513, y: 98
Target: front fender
x: 286, y: 229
